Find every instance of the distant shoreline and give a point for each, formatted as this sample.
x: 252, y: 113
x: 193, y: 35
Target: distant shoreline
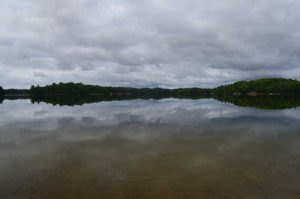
x: 260, y: 87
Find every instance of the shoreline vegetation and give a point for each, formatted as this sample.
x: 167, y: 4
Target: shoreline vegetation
x: 267, y: 93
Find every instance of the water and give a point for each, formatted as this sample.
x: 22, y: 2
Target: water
x: 167, y: 148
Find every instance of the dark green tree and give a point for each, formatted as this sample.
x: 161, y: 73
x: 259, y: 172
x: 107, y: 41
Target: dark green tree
x: 2, y: 93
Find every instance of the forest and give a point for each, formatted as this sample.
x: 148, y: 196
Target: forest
x: 265, y: 86
x: 237, y: 93
x: 80, y: 89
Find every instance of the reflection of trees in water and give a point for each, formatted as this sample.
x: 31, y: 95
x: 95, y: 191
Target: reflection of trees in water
x: 72, y: 100
x: 261, y: 102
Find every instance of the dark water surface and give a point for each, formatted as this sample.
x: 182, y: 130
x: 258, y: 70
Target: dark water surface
x: 148, y: 149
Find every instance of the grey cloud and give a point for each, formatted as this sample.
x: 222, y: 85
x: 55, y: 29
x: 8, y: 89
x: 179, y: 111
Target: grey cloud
x: 148, y: 43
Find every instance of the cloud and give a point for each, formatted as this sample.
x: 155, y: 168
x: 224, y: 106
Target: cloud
x: 148, y: 43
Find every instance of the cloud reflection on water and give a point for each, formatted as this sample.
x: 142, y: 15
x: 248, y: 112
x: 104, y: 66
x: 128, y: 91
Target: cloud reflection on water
x: 152, y: 148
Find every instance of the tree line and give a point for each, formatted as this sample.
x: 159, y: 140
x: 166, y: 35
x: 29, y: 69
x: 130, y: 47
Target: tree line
x: 70, y: 92
x: 265, y: 86
x: 80, y: 89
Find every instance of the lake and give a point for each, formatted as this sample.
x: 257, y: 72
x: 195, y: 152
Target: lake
x: 167, y: 148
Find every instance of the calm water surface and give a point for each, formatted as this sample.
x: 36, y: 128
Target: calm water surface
x: 148, y: 149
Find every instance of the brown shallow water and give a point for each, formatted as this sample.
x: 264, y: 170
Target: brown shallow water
x: 148, y: 149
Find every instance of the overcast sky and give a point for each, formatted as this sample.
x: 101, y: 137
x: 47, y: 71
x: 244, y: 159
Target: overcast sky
x: 146, y: 43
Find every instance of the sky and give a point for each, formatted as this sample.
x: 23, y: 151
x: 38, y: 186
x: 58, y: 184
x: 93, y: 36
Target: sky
x: 148, y: 43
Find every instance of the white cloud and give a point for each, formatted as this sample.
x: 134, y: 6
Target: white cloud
x: 147, y: 43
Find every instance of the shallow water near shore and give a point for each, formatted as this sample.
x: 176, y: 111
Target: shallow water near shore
x: 167, y: 148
